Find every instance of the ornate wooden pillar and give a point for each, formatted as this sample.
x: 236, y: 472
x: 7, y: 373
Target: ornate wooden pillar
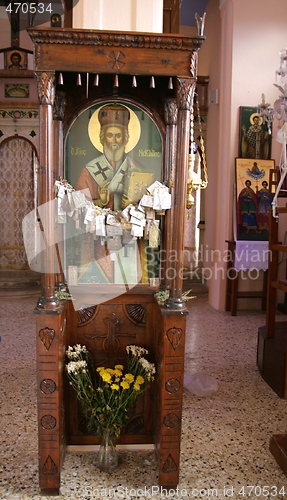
x: 185, y: 93
x: 50, y: 348
x: 170, y: 367
x: 46, y: 94
x: 51, y: 316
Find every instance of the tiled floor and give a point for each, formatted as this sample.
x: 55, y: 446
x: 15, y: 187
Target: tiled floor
x: 225, y: 436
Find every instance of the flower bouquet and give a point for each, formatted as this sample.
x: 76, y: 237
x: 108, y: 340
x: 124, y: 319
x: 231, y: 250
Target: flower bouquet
x: 106, y: 394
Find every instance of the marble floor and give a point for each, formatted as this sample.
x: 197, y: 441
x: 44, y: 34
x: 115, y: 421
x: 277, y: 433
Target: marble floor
x: 225, y: 436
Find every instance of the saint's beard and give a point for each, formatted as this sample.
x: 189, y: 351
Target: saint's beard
x: 114, y: 153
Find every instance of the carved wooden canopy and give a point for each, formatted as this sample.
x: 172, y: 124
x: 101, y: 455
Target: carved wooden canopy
x: 70, y: 52
x: 115, y: 52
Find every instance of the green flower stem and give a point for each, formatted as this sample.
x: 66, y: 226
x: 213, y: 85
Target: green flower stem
x: 107, y: 396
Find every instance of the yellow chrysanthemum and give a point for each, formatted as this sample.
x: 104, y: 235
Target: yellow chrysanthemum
x: 117, y: 373
x: 125, y: 385
x: 136, y: 387
x: 100, y: 368
x: 115, y: 387
x: 111, y: 371
x: 106, y: 376
x: 139, y: 380
x: 129, y: 377
x: 119, y: 367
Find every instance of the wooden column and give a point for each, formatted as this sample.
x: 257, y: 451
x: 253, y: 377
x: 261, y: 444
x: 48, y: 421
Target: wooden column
x: 170, y: 116
x: 50, y: 347
x: 46, y: 94
x: 185, y: 93
x: 170, y: 366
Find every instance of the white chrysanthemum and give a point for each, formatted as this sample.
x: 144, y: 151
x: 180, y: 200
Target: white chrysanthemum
x: 148, y: 367
x: 75, y: 352
x: 136, y: 350
x: 75, y: 366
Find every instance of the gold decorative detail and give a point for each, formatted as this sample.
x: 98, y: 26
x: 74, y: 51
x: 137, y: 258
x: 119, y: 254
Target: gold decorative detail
x: 46, y: 87
x: 169, y: 465
x: 46, y: 336
x: 136, y: 313
x: 174, y: 336
x: 49, y: 468
x: 85, y: 315
x: 195, y: 180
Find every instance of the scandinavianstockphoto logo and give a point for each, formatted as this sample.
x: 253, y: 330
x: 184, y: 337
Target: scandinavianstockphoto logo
x: 92, y: 247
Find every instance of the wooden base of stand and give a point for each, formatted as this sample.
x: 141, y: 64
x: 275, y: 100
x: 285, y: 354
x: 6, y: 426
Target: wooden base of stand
x: 278, y: 448
x: 50, y: 492
x: 271, y: 358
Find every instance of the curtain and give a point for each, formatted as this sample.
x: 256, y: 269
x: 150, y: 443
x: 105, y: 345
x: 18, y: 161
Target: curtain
x: 16, y: 201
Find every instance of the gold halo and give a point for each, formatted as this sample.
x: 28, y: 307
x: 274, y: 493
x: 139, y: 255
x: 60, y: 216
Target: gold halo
x: 252, y: 118
x: 94, y: 129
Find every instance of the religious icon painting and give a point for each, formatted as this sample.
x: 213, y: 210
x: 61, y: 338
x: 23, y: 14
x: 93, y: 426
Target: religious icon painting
x: 253, y: 198
x: 15, y: 59
x: 254, y: 135
x: 114, y: 153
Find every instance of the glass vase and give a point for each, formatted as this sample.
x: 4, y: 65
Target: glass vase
x: 108, y: 454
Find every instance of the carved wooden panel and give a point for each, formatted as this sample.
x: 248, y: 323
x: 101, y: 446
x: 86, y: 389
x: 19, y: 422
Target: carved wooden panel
x: 109, y: 329
x: 50, y: 345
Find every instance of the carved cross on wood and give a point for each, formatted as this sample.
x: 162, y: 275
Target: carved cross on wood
x: 111, y: 353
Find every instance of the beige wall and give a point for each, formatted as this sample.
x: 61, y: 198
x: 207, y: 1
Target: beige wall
x: 250, y: 38
x: 126, y: 15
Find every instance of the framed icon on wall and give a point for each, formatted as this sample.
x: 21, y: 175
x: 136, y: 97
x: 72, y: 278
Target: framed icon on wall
x: 253, y: 198
x: 15, y: 59
x: 254, y: 135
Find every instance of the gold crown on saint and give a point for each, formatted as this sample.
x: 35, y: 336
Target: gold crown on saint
x: 114, y: 114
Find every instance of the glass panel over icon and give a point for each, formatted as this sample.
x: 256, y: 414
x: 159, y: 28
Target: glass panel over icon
x: 113, y: 154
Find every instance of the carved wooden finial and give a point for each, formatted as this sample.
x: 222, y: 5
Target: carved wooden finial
x: 200, y: 21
